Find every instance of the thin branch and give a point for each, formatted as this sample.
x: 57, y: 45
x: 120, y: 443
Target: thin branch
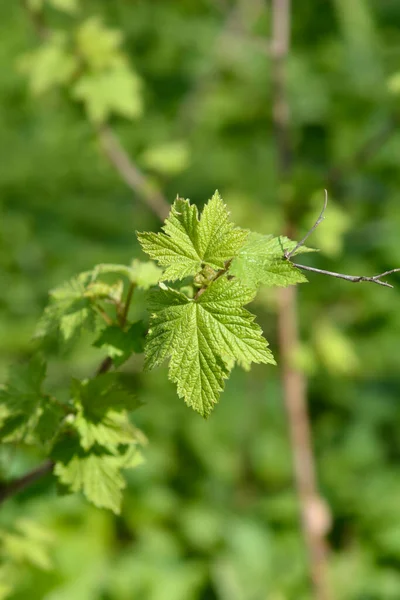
x: 131, y: 174
x: 321, y: 217
x: 106, y: 318
x: 112, y: 147
x: 128, y: 301
x: 17, y: 485
x: 314, y: 512
x: 352, y: 278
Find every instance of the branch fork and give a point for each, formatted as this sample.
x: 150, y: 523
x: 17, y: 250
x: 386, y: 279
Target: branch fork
x: 352, y: 278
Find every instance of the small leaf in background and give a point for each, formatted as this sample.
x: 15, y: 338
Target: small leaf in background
x: 98, y: 44
x: 29, y: 543
x: 24, y: 384
x: 114, y: 91
x: 69, y: 310
x: 68, y: 6
x: 169, y: 158
x: 51, y: 65
x: 261, y: 261
x: 334, y: 349
x: 119, y: 344
x: 143, y: 274
x: 394, y: 83
x: 35, y: 5
x: 186, y: 243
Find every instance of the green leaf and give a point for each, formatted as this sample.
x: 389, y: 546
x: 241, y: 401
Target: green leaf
x: 99, y: 45
x: 101, y: 418
x: 114, y: 429
x: 115, y: 91
x: 204, y: 337
x: 22, y: 393
x: 108, y: 391
x: 145, y: 274
x: 68, y: 6
x: 142, y: 274
x: 187, y: 244
x: 97, y: 475
x: 49, y: 422
x: 69, y: 310
x: 49, y: 66
x: 169, y: 158
x: 119, y: 344
x: 262, y: 261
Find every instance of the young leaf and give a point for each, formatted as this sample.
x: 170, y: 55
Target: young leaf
x: 203, y: 337
x: 119, y: 344
x: 51, y: 65
x: 23, y: 389
x: 98, y: 44
x: 115, y: 91
x: 142, y: 274
x: 108, y: 391
x: 69, y: 310
x: 261, y: 261
x: 68, y: 6
x: 186, y: 243
x: 109, y: 432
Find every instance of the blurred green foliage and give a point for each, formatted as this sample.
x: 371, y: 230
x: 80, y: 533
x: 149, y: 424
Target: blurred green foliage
x: 212, y: 513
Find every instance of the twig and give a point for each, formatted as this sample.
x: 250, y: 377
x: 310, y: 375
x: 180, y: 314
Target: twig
x: 107, y: 319
x: 321, y: 217
x: 17, y: 485
x: 352, y: 278
x: 111, y: 145
x: 128, y: 300
x: 314, y: 513
x: 131, y: 174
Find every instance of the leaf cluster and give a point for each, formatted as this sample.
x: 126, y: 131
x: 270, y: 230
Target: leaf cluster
x: 204, y: 333
x: 89, y: 435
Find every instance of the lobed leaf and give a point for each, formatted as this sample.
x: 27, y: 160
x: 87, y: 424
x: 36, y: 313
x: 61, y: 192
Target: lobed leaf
x: 261, y: 261
x: 203, y: 337
x: 187, y: 243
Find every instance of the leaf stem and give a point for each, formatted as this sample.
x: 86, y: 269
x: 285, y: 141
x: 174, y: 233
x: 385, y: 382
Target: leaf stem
x: 127, y: 304
x: 103, y: 314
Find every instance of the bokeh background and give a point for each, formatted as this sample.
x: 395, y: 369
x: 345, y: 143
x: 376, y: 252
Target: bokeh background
x: 212, y: 514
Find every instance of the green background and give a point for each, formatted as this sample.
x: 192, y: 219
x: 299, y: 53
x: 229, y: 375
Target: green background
x: 212, y: 513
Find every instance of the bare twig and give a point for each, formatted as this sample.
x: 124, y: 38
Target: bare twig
x: 131, y: 174
x: 17, y: 485
x: 321, y: 217
x: 112, y: 147
x: 314, y: 513
x: 352, y: 278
